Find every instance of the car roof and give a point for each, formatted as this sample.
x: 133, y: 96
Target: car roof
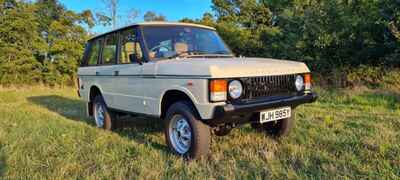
x: 154, y: 23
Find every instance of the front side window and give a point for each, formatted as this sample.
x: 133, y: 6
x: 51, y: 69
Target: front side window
x: 175, y: 41
x: 94, y: 50
x: 110, y: 49
x: 131, y: 50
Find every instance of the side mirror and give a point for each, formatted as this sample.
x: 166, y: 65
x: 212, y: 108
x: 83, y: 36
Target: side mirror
x: 135, y: 59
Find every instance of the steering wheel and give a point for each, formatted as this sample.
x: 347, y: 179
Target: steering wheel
x: 159, y: 47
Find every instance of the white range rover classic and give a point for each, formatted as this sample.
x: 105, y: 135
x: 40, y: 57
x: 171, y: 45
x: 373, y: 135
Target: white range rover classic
x: 185, y: 75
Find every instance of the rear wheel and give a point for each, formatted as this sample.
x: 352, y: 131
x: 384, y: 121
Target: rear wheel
x: 185, y: 134
x: 102, y: 115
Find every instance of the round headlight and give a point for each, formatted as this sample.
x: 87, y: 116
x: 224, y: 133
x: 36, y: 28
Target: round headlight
x: 235, y: 89
x: 299, y: 83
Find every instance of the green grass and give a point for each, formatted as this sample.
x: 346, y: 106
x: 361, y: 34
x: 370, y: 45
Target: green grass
x: 346, y: 134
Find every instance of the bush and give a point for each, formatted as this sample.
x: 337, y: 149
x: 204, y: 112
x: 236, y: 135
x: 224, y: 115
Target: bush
x: 391, y: 80
x: 369, y: 76
x: 366, y: 75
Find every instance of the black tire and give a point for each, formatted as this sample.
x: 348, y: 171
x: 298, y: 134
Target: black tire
x: 200, y: 132
x: 278, y: 128
x: 109, y: 116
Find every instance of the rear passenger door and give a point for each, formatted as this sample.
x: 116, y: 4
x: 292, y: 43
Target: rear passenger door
x: 106, y: 70
x: 129, y: 94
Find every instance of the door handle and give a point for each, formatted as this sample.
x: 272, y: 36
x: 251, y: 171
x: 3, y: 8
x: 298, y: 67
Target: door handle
x: 116, y: 73
x: 97, y: 73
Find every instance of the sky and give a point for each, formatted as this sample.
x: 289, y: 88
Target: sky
x: 173, y: 10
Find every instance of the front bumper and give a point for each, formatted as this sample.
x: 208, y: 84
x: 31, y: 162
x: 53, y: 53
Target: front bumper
x: 239, y: 114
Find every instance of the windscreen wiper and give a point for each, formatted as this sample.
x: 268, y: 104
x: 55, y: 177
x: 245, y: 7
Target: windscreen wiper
x: 187, y: 52
x: 221, y: 52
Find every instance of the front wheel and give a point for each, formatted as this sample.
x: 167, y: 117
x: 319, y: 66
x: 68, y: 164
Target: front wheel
x: 185, y: 134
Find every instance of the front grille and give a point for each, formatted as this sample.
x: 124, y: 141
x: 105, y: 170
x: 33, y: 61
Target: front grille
x: 267, y: 86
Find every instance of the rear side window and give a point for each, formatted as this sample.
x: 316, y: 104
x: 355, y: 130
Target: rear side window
x: 110, y: 49
x: 93, y: 54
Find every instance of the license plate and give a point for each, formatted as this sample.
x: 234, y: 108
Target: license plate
x: 275, y: 114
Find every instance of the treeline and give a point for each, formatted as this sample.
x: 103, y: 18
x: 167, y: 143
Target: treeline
x: 42, y: 42
x: 341, y: 40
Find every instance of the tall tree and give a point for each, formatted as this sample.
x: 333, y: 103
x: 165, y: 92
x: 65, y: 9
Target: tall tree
x: 19, y: 42
x: 112, y: 14
x: 112, y: 7
x: 88, y: 18
x: 152, y: 16
x: 131, y: 16
x: 40, y: 42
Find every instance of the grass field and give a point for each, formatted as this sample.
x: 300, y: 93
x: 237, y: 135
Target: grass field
x: 346, y: 134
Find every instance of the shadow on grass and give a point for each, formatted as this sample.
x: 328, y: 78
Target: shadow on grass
x: 68, y: 108
x: 135, y: 128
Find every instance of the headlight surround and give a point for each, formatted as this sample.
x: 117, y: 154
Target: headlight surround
x: 235, y: 89
x: 299, y: 83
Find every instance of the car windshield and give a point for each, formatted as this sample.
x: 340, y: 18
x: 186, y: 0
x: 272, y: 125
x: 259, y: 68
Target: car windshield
x: 183, y: 41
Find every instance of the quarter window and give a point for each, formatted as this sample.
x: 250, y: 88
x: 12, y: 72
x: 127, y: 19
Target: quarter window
x: 110, y: 49
x: 130, y: 47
